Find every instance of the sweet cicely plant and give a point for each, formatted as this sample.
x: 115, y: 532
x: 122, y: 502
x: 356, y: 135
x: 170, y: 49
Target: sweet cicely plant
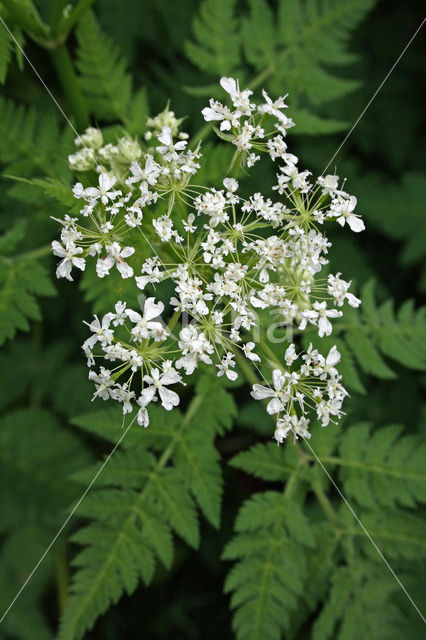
x: 216, y: 269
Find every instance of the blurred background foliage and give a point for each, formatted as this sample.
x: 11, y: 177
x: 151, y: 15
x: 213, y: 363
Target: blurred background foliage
x: 130, y: 58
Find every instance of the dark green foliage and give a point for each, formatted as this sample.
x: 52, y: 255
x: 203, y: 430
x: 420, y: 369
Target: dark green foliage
x: 284, y: 550
x: 105, y: 79
x: 21, y: 279
x: 216, y: 50
x: 143, y: 497
x: 161, y: 512
x: 289, y: 49
x: 37, y: 454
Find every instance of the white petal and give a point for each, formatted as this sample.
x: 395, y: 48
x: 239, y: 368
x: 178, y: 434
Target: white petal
x: 169, y: 399
x: 274, y: 406
x: 210, y: 114
x: 58, y: 249
x: 80, y: 263
x: 333, y: 356
x: 133, y: 315
x: 356, y: 223
x: 151, y: 309
x: 165, y: 136
x: 259, y: 392
x: 229, y: 84
x: 106, y: 181
x: 127, y: 252
x: 125, y: 269
x: 278, y: 379
x: 324, y: 327
x: 142, y: 281
x: 147, y: 395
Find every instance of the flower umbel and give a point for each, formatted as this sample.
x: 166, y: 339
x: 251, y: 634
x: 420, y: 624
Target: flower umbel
x: 215, y: 267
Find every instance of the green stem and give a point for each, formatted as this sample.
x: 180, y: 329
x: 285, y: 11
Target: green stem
x: 62, y: 577
x: 204, y: 131
x: 40, y: 252
x: 325, y: 504
x: 57, y: 16
x: 263, y: 75
x: 67, y: 77
x: 74, y: 15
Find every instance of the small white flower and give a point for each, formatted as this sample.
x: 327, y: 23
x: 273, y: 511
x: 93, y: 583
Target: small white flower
x: 248, y: 352
x: 115, y: 256
x: 343, y: 209
x: 103, y: 191
x: 70, y: 259
x: 319, y: 316
x: 290, y: 355
x: 226, y: 367
x: 103, y: 383
x: 158, y: 384
x: 144, y: 325
x: 278, y: 394
x: 168, y: 149
x: 230, y: 184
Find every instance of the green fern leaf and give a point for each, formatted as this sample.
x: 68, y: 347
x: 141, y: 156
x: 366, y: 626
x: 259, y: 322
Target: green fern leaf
x: 400, y: 535
x: 21, y: 279
x: 32, y: 142
x: 268, y: 578
x: 35, y: 484
x: 5, y: 52
x: 103, y: 75
x: 142, y: 497
x: 359, y: 606
x: 267, y: 461
x: 216, y: 50
x: 382, y: 467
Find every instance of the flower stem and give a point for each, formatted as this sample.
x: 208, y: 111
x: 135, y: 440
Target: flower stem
x: 62, y: 577
x: 67, y: 77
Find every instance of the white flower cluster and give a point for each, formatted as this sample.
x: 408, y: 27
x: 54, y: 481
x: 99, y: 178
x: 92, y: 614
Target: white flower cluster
x: 233, y: 263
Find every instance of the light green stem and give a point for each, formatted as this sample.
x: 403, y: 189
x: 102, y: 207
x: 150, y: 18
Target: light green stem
x: 70, y: 86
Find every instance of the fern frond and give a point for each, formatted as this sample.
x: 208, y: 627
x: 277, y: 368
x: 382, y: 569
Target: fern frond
x: 141, y: 498
x: 35, y: 484
x: 30, y: 140
x: 5, y: 52
x: 381, y: 468
x: 267, y: 461
x: 21, y: 280
x: 103, y: 71
x: 400, y: 535
x: 216, y: 50
x: 268, y: 578
x: 360, y: 605
x: 401, y: 216
x: 296, y: 45
x: 339, y: 567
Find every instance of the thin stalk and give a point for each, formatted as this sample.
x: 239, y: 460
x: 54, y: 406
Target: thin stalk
x: 68, y: 79
x: 325, y: 504
x: 62, y: 577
